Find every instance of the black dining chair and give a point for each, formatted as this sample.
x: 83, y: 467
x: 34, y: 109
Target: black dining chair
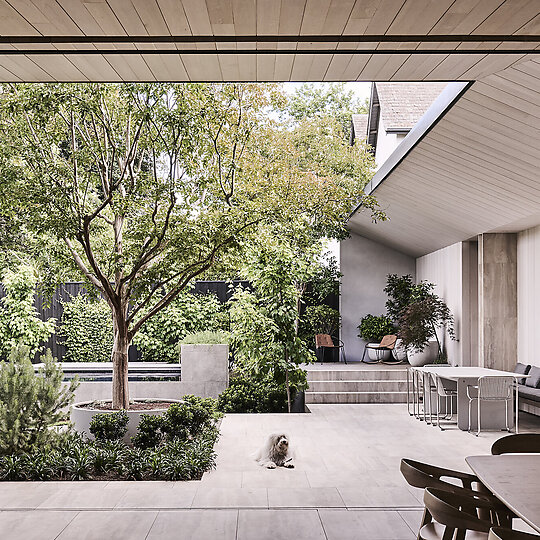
x: 456, y: 516
x: 422, y: 475
x: 497, y: 533
x: 517, y: 443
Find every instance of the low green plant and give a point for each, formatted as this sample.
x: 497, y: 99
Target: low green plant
x: 248, y: 395
x: 375, y: 327
x: 86, y: 329
x: 109, y: 426
x: 181, y: 421
x: 207, y: 337
x: 31, y: 403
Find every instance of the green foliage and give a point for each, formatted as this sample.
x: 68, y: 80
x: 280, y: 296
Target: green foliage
x: 327, y: 100
x: 86, y: 327
x: 402, y: 291
x: 264, y: 322
x: 181, y: 421
x: 207, y: 337
x: 77, y: 458
x: 249, y: 395
x: 109, y: 426
x: 320, y: 319
x: 159, y: 337
x: 19, y: 321
x: 373, y: 328
x: 31, y: 403
x: 420, y: 320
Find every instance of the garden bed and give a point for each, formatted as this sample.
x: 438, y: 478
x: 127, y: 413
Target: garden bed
x: 147, y: 405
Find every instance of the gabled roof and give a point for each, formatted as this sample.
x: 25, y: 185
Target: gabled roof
x: 359, y: 124
x: 470, y: 166
x: 403, y: 104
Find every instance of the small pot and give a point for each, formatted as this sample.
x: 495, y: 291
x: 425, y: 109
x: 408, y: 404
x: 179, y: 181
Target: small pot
x: 82, y: 416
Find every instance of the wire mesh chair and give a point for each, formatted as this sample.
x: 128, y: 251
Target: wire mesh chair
x: 448, y: 392
x: 491, y: 389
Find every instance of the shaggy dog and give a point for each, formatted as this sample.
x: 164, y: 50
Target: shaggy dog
x: 275, y: 453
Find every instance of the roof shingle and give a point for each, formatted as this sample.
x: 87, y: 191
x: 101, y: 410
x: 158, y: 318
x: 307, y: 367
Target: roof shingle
x: 403, y: 104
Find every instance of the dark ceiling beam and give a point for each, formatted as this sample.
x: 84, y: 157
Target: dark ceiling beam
x: 242, y: 52
x: 318, y: 38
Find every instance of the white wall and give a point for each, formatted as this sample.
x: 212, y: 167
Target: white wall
x: 365, y: 265
x: 386, y: 143
x: 451, y: 269
x: 528, y: 296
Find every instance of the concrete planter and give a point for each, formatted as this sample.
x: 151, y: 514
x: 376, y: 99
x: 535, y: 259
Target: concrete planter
x: 82, y: 416
x: 208, y: 363
x: 427, y: 356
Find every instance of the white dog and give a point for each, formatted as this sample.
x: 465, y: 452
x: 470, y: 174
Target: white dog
x: 275, y: 453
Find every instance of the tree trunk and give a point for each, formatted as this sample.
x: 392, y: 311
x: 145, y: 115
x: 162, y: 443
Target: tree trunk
x: 120, y: 393
x: 287, y: 385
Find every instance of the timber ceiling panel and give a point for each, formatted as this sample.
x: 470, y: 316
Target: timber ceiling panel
x: 377, y: 54
x: 475, y: 171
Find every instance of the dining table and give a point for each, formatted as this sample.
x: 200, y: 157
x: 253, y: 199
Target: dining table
x: 515, y: 480
x: 493, y: 413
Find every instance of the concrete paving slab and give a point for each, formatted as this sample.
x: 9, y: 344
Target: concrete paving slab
x: 195, y: 525
x: 279, y: 525
x: 28, y: 525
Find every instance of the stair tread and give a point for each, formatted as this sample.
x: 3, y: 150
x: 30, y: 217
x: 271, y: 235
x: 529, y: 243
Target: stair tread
x: 353, y: 392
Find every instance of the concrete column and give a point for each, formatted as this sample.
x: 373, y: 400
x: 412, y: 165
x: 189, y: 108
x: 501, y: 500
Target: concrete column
x: 497, y: 300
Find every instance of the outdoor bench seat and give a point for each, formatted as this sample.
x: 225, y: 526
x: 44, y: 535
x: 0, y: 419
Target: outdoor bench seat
x: 527, y: 392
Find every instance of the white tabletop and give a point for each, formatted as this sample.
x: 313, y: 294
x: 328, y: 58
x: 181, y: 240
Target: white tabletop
x: 515, y: 480
x: 467, y: 372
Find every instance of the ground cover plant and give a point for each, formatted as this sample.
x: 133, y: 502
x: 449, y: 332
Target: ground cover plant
x: 176, y: 446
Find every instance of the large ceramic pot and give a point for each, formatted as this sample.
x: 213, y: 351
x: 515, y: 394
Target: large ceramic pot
x: 376, y: 355
x: 426, y: 356
x: 400, y: 351
x: 81, y: 416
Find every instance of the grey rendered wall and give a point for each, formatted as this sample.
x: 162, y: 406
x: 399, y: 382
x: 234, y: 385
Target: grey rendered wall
x: 365, y: 265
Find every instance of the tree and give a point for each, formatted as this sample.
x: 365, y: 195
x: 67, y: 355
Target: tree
x: 313, y: 101
x: 144, y: 187
x: 264, y: 322
x: 30, y: 403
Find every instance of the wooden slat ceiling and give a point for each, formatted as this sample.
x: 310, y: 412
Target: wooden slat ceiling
x: 476, y: 171
x: 152, y: 20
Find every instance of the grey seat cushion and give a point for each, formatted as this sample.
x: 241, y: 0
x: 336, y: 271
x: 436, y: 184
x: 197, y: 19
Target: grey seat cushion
x: 529, y: 393
x: 533, y: 380
x: 523, y: 369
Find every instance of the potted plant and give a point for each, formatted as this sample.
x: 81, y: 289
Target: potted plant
x: 418, y: 327
x: 372, y: 329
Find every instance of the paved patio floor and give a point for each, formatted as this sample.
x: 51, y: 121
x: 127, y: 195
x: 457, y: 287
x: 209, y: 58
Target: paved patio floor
x: 346, y: 484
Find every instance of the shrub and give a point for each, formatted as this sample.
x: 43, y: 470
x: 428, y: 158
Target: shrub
x: 246, y: 395
x: 319, y: 320
x: 207, y: 337
x: 158, y: 339
x: 86, y: 328
x: 31, y: 403
x: 109, y: 426
x: 19, y: 321
x: 149, y: 431
x: 181, y: 421
x: 375, y: 327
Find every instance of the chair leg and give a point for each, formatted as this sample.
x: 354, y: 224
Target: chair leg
x: 478, y: 419
x: 470, y: 402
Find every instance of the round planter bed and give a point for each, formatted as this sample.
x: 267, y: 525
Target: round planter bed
x: 82, y: 413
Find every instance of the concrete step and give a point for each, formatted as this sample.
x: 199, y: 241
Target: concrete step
x: 356, y: 374
x: 359, y: 386
x: 355, y: 397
